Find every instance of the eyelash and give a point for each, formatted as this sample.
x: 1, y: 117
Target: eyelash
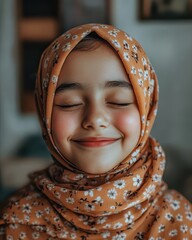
x: 112, y: 103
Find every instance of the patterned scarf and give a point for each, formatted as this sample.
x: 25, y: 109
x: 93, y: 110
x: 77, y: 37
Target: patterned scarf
x: 129, y: 202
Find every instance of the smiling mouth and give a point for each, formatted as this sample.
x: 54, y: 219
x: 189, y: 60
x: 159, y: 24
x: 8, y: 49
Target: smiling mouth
x: 96, y: 141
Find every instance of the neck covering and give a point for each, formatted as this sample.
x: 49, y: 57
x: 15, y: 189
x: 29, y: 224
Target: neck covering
x: 129, y: 202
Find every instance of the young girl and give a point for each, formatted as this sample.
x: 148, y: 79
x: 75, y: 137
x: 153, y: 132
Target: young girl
x: 96, y: 96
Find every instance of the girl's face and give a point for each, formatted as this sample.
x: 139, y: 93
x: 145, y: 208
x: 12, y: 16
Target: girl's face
x: 95, y: 119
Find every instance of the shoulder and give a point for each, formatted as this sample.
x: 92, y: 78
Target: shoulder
x: 174, y: 216
x: 23, y: 205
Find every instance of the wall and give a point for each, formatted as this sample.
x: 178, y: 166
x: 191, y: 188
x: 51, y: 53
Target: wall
x: 14, y: 126
x: 169, y: 47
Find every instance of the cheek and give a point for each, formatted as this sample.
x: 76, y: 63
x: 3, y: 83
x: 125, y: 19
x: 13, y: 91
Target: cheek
x: 128, y: 122
x: 63, y: 125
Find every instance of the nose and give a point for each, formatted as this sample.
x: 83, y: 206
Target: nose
x: 95, y: 118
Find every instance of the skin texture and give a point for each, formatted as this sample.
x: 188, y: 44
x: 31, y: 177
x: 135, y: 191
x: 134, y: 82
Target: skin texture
x: 98, y: 102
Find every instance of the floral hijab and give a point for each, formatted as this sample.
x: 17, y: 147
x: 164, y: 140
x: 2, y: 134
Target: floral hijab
x: 129, y: 202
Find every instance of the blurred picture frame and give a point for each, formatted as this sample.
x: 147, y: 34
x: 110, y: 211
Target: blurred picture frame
x: 165, y: 9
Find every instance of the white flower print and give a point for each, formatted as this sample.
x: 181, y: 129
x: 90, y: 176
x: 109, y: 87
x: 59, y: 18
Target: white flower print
x: 89, y: 207
x: 54, y: 79
x: 189, y: 215
x: 126, y: 56
x: 106, y: 234
x: 103, y: 26
x: 116, y: 43
x: 138, y: 206
x: 64, y: 190
x: 173, y: 233
x: 26, y: 208
x: 74, y: 37
x: 126, y: 45
x: 64, y: 234
x: 128, y: 37
x: 73, y: 236
x: 117, y: 225
x: 22, y: 235
x: 39, y: 213
x: 107, y: 226
x: 119, y: 184
x: 113, y: 33
x: 140, y: 71
x: 85, y: 33
x: 79, y: 176
x: 112, y: 193
x: 98, y: 200
x: 143, y: 210
x: 134, y: 156
x: 149, y: 190
x: 168, y: 216
x: 35, y: 235
x: 161, y: 228
x: 144, y: 61
x: 89, y: 192
x: 47, y: 210
x: 183, y: 228
x: 143, y: 119
x: 101, y: 220
x: 162, y: 165
x: 133, y: 70
x: 135, y: 153
x: 146, y: 75
x: 57, y: 195
x: 145, y: 91
x: 9, y: 237
x: 66, y: 47
x: 120, y: 236
x: 156, y: 178
x: 46, y: 62
x: 56, y: 219
x: 175, y: 204
x: 134, y: 47
x: 14, y: 226
x: 179, y: 218
x: 142, y: 132
x: 128, y: 217
x: 133, y: 204
x: 155, y: 112
x: 14, y: 218
x: 137, y: 180
x: 140, y: 82
x: 68, y: 35
x: 26, y: 218
x: 187, y: 207
x: 70, y: 200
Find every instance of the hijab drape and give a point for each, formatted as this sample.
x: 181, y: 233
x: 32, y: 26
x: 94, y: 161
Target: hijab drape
x: 129, y: 202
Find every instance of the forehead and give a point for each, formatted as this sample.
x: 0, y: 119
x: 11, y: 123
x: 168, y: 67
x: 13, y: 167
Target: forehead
x: 96, y: 66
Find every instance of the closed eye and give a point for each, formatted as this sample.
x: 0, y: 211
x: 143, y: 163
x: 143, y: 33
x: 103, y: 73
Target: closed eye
x: 119, y: 104
x: 68, y: 105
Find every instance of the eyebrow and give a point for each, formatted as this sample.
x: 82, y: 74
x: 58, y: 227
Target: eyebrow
x: 123, y: 84
x: 78, y: 86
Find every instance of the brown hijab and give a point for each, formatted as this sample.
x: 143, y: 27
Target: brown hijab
x: 129, y: 202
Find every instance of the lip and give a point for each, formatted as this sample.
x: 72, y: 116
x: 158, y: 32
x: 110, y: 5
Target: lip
x: 96, y: 141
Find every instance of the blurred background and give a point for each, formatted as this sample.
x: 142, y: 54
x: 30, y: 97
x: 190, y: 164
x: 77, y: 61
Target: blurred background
x: 163, y: 27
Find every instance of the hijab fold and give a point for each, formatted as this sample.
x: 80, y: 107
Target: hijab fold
x: 129, y: 202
